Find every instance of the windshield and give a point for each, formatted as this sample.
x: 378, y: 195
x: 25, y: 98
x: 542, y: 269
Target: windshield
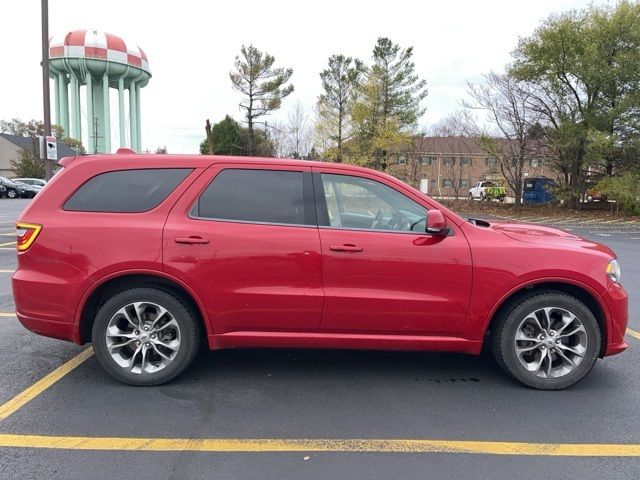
x: 7, y: 181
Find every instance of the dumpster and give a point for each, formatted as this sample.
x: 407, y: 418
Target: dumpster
x: 538, y: 190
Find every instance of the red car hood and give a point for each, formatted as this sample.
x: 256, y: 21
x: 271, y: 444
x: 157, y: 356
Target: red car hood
x: 531, y: 233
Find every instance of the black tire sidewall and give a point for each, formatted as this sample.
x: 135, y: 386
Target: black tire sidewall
x: 189, y: 335
x: 11, y: 193
x: 505, y: 351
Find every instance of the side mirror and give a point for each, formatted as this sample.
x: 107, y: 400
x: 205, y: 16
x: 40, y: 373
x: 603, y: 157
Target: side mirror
x: 436, y: 223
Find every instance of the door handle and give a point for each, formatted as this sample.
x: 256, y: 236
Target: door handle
x: 349, y: 247
x: 193, y: 240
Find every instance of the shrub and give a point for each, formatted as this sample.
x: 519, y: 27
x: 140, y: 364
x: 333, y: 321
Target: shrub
x: 624, y: 189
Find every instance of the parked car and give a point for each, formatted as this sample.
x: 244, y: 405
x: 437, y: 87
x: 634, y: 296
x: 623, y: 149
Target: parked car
x: 36, y: 182
x: 32, y: 188
x: 147, y: 255
x: 538, y: 190
x: 596, y: 196
x: 487, y: 190
x: 3, y: 191
x: 17, y: 190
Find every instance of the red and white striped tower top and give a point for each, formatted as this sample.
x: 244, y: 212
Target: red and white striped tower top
x: 98, y: 45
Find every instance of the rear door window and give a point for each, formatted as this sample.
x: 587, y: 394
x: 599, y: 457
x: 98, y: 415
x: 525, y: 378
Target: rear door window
x: 126, y: 191
x: 261, y: 196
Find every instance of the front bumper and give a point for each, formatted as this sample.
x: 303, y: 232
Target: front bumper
x: 618, y: 303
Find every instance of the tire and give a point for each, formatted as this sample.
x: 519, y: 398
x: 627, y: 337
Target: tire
x: 559, y: 373
x: 114, y: 316
x: 11, y: 193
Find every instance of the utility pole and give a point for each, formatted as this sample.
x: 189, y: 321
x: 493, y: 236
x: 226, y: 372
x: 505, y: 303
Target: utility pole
x: 46, y: 101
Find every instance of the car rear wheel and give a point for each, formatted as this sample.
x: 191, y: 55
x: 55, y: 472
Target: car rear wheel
x: 145, y: 336
x: 11, y: 193
x: 549, y: 341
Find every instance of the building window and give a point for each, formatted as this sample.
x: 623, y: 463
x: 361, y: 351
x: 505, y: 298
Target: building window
x: 402, y: 160
x: 465, y: 161
x: 433, y: 185
x: 463, y: 183
x: 427, y: 160
x: 490, y: 162
x: 449, y: 161
x: 534, y: 162
x: 447, y: 183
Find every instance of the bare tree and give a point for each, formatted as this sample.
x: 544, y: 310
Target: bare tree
x: 278, y: 133
x: 507, y: 103
x: 459, y: 129
x: 457, y: 124
x: 299, y: 132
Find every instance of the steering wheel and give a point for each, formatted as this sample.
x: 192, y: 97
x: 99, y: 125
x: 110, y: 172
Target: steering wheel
x: 398, y: 222
x: 377, y: 222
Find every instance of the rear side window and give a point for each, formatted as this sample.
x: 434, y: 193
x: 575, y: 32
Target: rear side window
x: 126, y: 191
x: 264, y: 196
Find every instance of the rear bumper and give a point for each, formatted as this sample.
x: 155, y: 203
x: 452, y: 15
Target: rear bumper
x: 45, y: 304
x: 48, y: 328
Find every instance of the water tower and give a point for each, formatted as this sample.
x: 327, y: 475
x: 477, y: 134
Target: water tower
x: 97, y: 61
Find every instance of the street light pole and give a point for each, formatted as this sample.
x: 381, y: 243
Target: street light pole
x: 46, y: 101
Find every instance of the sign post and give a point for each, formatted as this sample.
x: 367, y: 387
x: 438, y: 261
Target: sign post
x: 49, y: 148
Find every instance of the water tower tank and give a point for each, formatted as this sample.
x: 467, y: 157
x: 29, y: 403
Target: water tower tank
x: 97, y: 61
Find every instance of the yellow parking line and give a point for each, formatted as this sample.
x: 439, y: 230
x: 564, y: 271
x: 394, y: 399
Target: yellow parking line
x: 7, y: 244
x: 633, y: 333
x: 10, y: 234
x: 7, y: 314
x: 318, y: 445
x: 7, y: 248
x: 6, y: 270
x: 41, y: 385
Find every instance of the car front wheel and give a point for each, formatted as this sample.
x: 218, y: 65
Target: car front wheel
x: 145, y: 336
x: 11, y: 193
x: 548, y: 341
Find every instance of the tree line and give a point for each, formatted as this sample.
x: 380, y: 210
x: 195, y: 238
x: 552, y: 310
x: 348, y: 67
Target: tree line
x: 569, y: 96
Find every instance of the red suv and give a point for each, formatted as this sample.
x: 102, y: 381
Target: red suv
x: 146, y: 256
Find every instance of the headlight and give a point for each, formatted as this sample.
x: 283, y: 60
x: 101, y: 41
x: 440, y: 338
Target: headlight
x: 613, y: 270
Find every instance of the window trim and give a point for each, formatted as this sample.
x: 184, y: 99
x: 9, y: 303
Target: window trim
x: 323, y: 211
x: 310, y: 214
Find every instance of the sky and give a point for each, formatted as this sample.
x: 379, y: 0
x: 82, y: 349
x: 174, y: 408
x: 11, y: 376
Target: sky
x: 191, y: 46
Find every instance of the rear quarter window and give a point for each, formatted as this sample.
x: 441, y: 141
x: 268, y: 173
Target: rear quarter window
x: 126, y: 191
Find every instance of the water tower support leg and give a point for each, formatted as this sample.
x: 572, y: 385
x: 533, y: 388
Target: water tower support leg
x: 133, y: 121
x: 107, y: 115
x: 75, y: 108
x: 138, y: 122
x: 121, y: 111
x: 64, y: 104
x: 90, y: 137
x: 56, y: 89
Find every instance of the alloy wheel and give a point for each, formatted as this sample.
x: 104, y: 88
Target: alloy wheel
x: 550, y: 342
x: 143, y: 337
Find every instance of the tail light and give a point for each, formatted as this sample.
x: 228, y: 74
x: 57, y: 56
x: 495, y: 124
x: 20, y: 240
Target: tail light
x: 27, y: 233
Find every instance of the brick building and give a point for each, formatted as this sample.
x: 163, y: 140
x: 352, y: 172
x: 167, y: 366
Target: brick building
x: 449, y: 166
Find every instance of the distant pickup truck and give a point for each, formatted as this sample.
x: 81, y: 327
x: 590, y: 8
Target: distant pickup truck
x: 487, y: 190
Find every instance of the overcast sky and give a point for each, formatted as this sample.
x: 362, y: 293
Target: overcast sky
x: 191, y: 47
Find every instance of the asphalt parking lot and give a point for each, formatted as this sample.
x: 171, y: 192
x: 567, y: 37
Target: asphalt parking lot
x: 292, y: 414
